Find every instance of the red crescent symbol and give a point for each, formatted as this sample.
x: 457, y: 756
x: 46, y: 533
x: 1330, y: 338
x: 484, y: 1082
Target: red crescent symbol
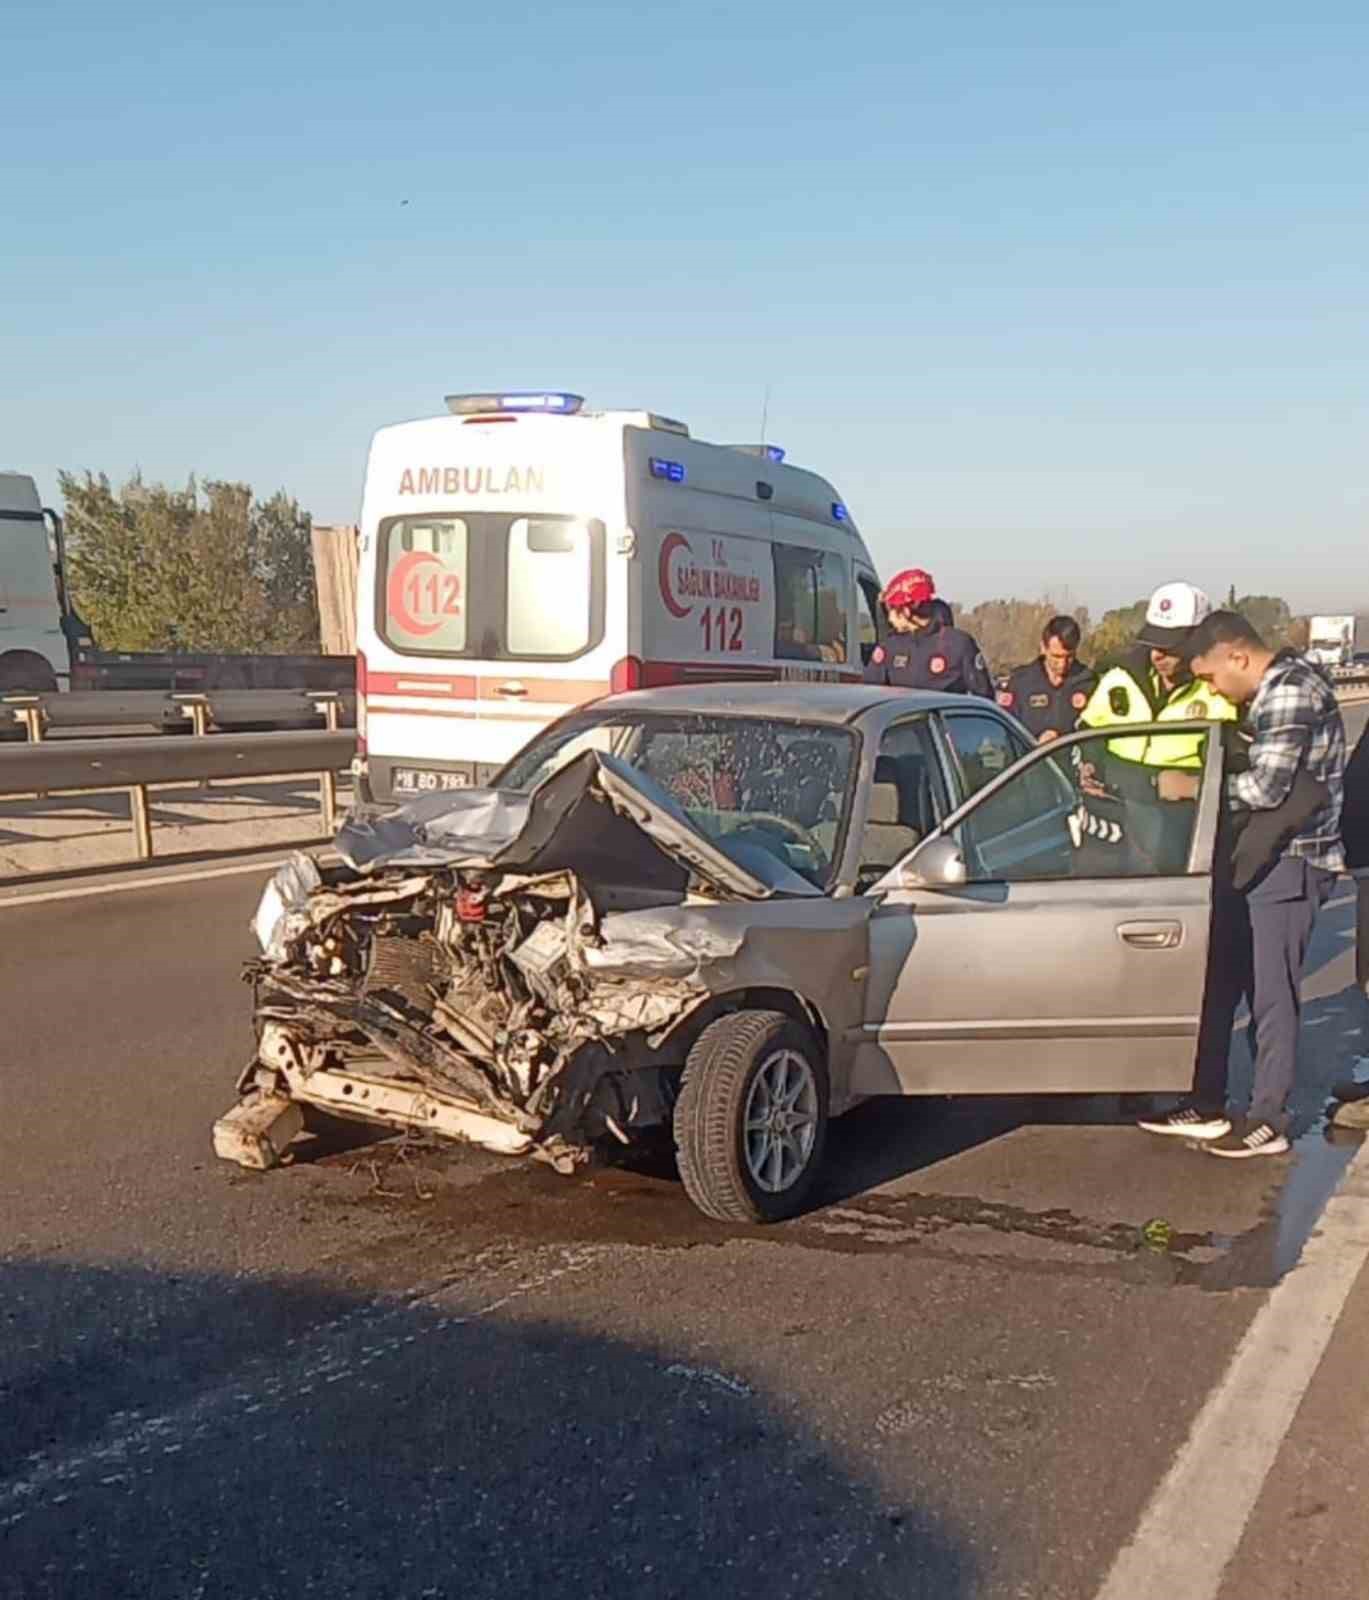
x: 669, y: 545
x: 404, y: 569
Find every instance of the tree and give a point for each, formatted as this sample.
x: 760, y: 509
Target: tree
x: 198, y: 569
x: 1009, y: 631
x: 1115, y: 631
x: 1269, y: 616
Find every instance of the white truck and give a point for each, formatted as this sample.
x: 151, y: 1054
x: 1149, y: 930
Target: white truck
x: 1335, y: 641
x: 34, y: 650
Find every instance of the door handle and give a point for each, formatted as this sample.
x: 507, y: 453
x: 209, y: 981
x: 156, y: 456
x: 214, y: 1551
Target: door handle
x: 1151, y: 935
x: 514, y: 689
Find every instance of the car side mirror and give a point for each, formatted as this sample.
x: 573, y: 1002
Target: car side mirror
x: 937, y: 864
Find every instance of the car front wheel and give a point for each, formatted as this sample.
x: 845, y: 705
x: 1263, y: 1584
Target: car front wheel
x: 751, y: 1118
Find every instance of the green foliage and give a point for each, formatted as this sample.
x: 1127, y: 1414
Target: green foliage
x: 1116, y: 630
x: 204, y: 568
x: 1009, y: 631
x: 1272, y: 619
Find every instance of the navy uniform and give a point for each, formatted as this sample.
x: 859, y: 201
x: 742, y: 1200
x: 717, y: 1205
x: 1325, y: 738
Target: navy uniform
x: 1045, y: 707
x: 935, y: 658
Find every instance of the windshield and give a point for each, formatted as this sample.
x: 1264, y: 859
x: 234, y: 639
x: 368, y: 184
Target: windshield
x: 745, y: 783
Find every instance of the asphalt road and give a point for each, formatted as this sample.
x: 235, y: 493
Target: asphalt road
x: 961, y: 1375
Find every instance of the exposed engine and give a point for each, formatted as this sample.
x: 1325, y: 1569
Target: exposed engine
x: 472, y: 984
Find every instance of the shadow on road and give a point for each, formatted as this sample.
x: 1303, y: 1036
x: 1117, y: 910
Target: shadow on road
x: 888, y: 1139
x: 190, y: 1436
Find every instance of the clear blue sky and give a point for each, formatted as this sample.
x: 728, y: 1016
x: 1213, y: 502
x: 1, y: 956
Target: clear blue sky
x: 1060, y: 295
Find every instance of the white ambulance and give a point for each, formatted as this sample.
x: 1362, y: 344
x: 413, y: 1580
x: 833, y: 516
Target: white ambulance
x: 521, y: 555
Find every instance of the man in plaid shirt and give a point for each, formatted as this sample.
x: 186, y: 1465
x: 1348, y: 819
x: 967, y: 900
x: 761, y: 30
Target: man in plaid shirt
x: 1260, y: 936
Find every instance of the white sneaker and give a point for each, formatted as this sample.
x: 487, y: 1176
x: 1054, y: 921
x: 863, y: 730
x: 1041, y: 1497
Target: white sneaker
x: 1188, y: 1122
x: 1252, y: 1139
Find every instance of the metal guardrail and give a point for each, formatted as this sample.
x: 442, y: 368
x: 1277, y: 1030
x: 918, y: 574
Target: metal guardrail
x: 137, y: 765
x: 210, y: 712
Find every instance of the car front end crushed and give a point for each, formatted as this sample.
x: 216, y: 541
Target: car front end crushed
x: 525, y: 972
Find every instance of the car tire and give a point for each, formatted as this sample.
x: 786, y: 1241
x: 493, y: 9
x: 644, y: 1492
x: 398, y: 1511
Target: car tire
x: 731, y: 1172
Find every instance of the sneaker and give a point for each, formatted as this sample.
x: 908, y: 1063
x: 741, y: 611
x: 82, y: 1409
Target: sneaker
x: 1351, y: 1114
x: 1349, y: 1090
x: 1188, y: 1122
x: 1251, y: 1139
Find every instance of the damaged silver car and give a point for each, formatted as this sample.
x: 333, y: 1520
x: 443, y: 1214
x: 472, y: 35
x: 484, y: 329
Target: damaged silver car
x: 734, y: 913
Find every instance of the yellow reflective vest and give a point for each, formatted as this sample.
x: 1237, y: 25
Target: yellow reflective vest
x: 1127, y: 692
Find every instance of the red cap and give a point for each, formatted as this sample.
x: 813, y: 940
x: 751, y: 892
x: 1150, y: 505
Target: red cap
x: 913, y: 587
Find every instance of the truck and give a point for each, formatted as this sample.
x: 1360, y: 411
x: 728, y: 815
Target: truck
x: 46, y: 647
x: 1336, y: 641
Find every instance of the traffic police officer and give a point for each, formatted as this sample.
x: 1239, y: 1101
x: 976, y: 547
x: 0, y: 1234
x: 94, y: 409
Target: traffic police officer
x: 1048, y: 694
x: 1151, y: 682
x: 923, y: 651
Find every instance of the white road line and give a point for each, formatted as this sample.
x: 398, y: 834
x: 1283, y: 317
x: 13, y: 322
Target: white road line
x: 125, y: 886
x: 1194, y: 1522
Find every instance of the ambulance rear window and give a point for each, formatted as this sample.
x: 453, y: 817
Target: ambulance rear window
x: 550, y: 587
x: 491, y: 585
x: 426, y: 561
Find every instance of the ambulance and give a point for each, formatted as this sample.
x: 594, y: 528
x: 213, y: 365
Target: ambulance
x: 523, y: 554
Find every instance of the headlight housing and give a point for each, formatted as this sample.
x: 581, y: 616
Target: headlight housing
x: 281, y: 914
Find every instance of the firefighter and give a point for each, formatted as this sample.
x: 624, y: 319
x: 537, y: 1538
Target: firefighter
x: 923, y: 651
x: 1048, y: 694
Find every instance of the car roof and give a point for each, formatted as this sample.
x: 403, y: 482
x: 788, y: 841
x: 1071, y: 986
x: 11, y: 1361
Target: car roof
x: 792, y: 701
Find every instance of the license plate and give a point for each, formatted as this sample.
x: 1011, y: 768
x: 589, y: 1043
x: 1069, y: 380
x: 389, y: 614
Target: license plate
x: 419, y: 780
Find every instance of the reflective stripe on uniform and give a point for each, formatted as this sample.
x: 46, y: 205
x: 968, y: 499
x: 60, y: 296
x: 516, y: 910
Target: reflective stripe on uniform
x: 1120, y: 699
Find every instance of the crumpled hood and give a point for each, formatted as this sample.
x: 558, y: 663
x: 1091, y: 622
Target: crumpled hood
x: 597, y: 817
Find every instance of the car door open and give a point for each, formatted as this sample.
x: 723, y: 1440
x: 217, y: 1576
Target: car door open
x: 1051, y: 935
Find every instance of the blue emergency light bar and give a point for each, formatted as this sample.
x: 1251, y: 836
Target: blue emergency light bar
x: 767, y: 452
x: 672, y: 471
x: 544, y: 402
x: 839, y: 512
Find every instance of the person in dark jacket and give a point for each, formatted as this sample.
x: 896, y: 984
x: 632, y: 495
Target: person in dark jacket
x: 1354, y: 829
x: 1353, y: 1110
x: 1260, y: 937
x: 1048, y: 694
x: 923, y: 651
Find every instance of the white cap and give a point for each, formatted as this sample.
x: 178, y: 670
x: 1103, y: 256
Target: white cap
x: 1175, y: 610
